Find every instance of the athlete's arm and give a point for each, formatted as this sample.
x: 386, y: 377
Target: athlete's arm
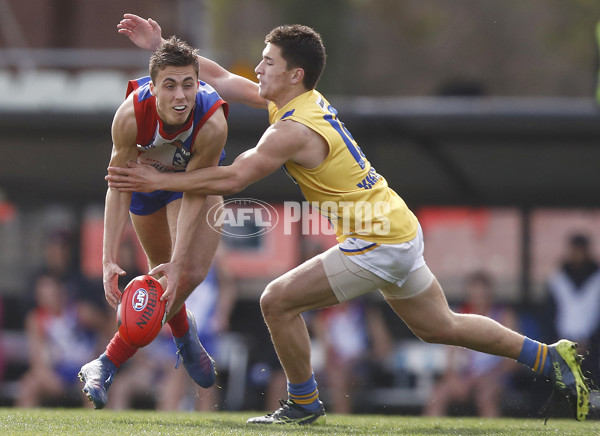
x: 116, y: 211
x: 281, y: 142
x: 146, y: 34
x: 230, y: 86
x: 34, y: 331
x: 205, y: 153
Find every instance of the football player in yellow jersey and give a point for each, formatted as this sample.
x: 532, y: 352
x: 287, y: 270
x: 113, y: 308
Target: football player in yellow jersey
x: 380, y: 241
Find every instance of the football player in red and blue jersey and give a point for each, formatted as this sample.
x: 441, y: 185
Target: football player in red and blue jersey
x: 173, y: 122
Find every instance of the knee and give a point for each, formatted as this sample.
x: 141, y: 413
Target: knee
x: 190, y: 279
x: 271, y: 304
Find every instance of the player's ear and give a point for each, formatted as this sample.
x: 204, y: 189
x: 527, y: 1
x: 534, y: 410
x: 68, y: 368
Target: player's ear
x: 297, y: 76
x: 151, y: 87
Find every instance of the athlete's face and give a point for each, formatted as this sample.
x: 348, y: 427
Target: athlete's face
x: 273, y: 75
x: 175, y: 90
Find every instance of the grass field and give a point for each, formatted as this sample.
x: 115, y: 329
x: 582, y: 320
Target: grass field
x: 89, y: 422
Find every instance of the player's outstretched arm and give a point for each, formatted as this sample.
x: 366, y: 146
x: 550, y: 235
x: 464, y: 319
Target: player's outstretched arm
x: 147, y: 34
x: 231, y: 87
x: 280, y: 143
x: 116, y: 212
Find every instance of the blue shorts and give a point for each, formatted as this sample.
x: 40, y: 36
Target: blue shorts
x: 146, y: 203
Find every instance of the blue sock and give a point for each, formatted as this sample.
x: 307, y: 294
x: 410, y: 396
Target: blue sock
x: 305, y: 394
x: 535, y: 355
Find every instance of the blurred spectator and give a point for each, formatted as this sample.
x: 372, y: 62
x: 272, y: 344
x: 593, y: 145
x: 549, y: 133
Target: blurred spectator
x: 573, y: 303
x: 352, y: 335
x: 60, y: 262
x: 60, y: 338
x: 152, y: 369
x: 472, y: 376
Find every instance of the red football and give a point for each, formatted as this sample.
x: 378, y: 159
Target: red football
x: 141, y: 313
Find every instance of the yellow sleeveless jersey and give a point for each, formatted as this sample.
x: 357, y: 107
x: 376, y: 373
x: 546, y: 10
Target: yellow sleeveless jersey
x: 345, y: 187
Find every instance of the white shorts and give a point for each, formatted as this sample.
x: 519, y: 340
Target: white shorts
x: 356, y: 267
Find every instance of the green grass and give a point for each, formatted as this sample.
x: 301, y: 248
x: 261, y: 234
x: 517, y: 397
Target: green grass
x: 90, y: 422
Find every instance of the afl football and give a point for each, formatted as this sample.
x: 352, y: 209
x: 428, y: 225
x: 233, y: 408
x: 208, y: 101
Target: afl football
x: 141, y: 313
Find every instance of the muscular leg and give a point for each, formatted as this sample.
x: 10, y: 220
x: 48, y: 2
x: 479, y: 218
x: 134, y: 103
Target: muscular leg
x: 303, y: 288
x: 205, y: 241
x: 154, y: 234
x: 429, y: 317
x: 157, y: 232
x: 155, y: 237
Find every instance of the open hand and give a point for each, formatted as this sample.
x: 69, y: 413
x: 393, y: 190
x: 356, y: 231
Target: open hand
x: 145, y: 34
x: 133, y: 178
x: 110, y: 280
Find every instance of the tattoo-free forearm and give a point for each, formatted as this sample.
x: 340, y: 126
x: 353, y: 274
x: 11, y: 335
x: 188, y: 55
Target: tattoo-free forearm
x: 115, y: 220
x: 204, y: 181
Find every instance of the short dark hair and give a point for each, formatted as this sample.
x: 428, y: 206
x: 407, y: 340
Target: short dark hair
x: 173, y: 52
x: 302, y: 47
x: 579, y: 240
x: 482, y: 278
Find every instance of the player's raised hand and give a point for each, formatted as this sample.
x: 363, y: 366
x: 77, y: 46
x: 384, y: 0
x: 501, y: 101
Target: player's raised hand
x: 110, y: 279
x: 144, y: 33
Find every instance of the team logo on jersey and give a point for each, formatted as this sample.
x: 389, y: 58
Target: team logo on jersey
x: 243, y: 218
x: 181, y: 156
x: 139, y: 299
